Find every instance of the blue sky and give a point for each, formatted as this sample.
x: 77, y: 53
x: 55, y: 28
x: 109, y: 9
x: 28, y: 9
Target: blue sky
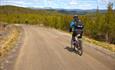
x: 63, y: 4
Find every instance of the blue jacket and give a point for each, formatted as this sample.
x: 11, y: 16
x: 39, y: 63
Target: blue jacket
x: 74, y: 27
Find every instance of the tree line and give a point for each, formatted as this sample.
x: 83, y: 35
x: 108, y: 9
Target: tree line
x: 101, y: 26
x: 98, y: 26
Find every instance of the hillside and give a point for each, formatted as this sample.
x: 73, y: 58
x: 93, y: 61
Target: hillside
x: 97, y: 25
x: 8, y: 9
x: 22, y: 10
x: 48, y: 17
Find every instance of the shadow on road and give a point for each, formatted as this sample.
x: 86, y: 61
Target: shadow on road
x: 70, y: 49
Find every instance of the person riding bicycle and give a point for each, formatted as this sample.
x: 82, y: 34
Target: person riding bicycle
x: 75, y: 26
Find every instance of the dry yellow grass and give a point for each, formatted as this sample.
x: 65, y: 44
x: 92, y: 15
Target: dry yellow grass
x: 105, y: 45
x: 8, y: 43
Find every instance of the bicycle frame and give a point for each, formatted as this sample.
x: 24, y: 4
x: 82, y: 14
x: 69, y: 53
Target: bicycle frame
x: 78, y: 44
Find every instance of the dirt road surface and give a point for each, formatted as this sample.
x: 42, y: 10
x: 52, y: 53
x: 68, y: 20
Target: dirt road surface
x: 49, y: 49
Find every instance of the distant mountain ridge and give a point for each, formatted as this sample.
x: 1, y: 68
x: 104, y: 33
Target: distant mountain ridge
x: 16, y: 9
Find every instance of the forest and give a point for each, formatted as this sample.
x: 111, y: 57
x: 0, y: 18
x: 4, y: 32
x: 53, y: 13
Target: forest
x: 99, y: 26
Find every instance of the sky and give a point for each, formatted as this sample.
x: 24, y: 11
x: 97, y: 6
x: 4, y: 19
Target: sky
x: 60, y: 4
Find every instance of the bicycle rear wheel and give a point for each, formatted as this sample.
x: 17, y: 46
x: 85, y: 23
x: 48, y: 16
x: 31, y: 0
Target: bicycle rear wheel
x: 80, y: 48
x: 72, y: 45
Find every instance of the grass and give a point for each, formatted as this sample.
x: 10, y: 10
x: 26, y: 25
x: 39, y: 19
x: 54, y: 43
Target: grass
x: 8, y: 43
x: 105, y: 45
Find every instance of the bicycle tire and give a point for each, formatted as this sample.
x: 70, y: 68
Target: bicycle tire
x: 80, y: 48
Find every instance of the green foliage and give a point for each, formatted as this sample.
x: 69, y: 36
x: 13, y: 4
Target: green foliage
x: 98, y: 26
x: 101, y: 26
x: 12, y: 14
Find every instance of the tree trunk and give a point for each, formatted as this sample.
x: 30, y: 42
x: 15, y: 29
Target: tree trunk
x: 107, y: 37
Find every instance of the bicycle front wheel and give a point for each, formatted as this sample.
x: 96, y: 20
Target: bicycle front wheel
x: 80, y: 48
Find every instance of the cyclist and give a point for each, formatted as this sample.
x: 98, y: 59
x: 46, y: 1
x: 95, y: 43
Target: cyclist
x: 75, y: 26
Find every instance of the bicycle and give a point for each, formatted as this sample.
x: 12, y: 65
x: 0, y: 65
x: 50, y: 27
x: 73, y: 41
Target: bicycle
x: 77, y: 44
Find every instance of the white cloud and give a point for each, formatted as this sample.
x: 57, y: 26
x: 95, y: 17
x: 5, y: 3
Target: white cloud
x: 79, y: 4
x: 85, y: 6
x: 73, y: 2
x: 106, y: 1
x: 17, y: 3
x: 49, y: 0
